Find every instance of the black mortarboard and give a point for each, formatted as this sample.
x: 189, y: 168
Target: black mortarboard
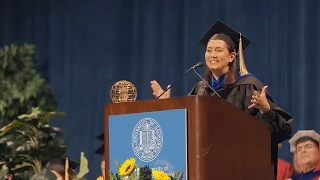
x: 100, y: 136
x: 58, y: 164
x: 233, y: 38
x: 100, y: 150
x: 221, y: 28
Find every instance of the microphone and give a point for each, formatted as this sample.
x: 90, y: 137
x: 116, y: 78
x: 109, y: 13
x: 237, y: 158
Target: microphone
x: 206, y: 83
x: 199, y: 64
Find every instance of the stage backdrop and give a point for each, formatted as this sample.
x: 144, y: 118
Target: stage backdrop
x: 86, y: 46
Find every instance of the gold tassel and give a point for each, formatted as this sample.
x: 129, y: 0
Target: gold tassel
x: 66, y: 177
x: 243, y: 68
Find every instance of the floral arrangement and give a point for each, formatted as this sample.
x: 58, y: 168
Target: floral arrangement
x: 128, y: 171
x: 100, y: 178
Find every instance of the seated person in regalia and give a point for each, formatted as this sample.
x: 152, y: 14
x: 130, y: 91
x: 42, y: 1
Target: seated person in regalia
x: 305, y: 147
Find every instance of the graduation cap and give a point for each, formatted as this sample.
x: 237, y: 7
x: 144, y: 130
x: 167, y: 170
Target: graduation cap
x: 233, y: 38
x: 100, y: 136
x: 58, y: 164
x: 100, y: 150
x: 303, y: 134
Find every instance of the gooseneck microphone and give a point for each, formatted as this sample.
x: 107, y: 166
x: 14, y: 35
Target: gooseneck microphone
x: 206, y: 82
x: 199, y: 64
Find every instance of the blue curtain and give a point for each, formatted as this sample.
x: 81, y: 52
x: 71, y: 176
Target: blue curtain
x: 86, y: 46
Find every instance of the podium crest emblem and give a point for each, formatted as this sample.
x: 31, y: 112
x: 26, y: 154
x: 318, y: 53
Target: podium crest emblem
x: 147, y: 139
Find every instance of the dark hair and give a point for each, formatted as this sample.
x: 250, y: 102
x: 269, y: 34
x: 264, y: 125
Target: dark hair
x: 230, y: 77
x: 305, y: 139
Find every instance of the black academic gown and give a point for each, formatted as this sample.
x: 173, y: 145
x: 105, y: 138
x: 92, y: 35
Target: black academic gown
x: 240, y: 95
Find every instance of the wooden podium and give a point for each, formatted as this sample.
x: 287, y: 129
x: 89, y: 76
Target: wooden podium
x: 223, y: 142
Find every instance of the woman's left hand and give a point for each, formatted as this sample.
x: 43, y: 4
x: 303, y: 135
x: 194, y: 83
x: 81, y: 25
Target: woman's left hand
x: 260, y: 101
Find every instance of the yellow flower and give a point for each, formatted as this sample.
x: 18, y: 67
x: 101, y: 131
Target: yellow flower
x: 127, y: 167
x: 160, y: 175
x: 100, y: 178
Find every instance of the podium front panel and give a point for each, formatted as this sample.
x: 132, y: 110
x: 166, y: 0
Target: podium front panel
x: 157, y: 139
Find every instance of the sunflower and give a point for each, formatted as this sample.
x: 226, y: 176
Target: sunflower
x: 100, y: 178
x: 160, y: 175
x: 127, y: 167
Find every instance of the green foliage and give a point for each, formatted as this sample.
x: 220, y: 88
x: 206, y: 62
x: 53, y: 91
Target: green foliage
x: 117, y: 164
x: 22, y: 86
x: 39, y: 142
x: 83, y: 168
x: 44, y: 175
x: 177, y: 176
x: 113, y: 176
x: 29, y: 141
x: 3, y: 172
x: 48, y: 175
x: 145, y: 173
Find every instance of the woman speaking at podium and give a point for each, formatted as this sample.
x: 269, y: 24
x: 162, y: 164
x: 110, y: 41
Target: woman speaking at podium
x: 239, y: 87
